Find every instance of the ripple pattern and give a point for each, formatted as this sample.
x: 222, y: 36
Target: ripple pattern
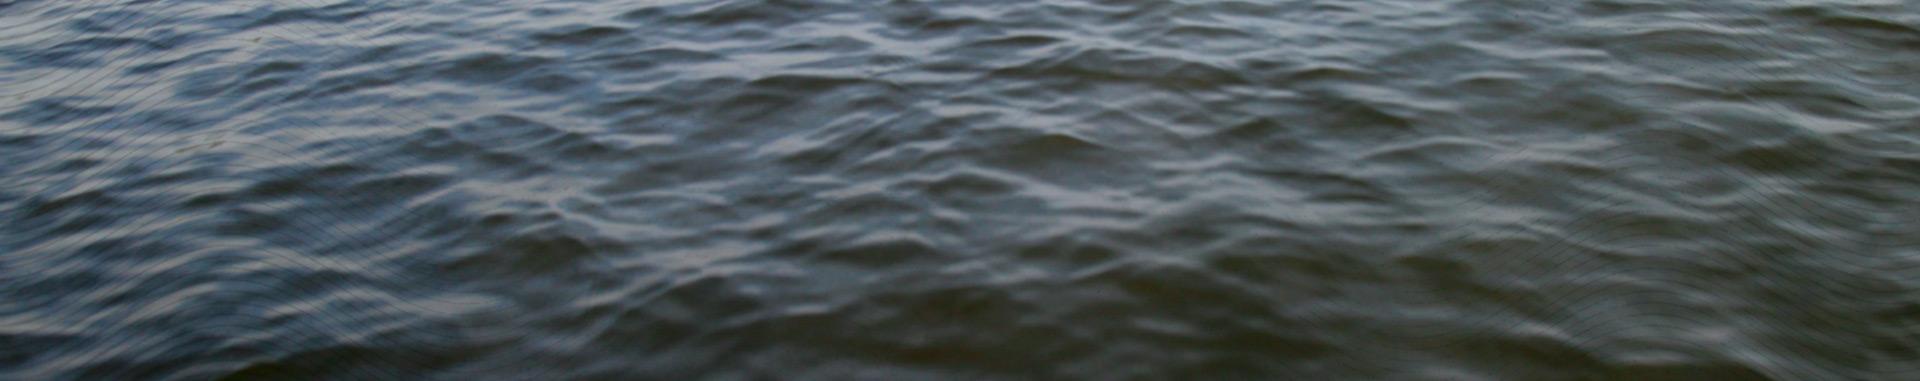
x: 903, y: 189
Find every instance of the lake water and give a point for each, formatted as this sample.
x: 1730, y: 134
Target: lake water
x: 895, y: 189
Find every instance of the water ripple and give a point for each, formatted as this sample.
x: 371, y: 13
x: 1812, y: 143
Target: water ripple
x: 1468, y: 189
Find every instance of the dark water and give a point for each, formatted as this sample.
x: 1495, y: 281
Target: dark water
x: 1102, y: 190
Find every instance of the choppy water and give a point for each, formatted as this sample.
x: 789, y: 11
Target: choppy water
x: 835, y: 189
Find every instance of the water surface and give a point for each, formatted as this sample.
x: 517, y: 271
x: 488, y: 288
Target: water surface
x: 1070, y: 189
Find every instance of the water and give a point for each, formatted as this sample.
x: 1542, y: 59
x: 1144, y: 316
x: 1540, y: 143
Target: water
x: 839, y: 189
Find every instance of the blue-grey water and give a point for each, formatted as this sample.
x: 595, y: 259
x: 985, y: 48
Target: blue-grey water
x: 900, y: 189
